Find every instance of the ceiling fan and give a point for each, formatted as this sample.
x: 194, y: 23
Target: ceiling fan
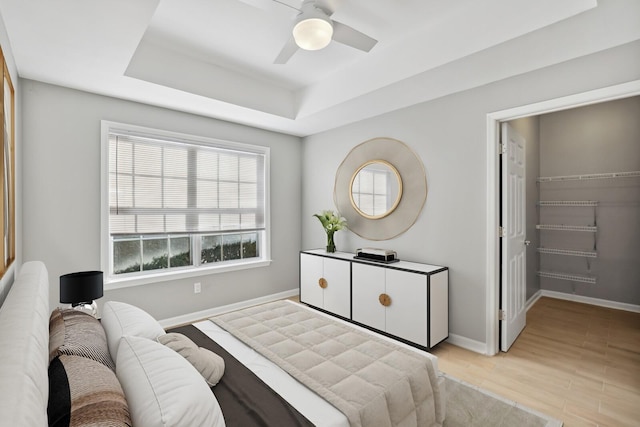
x: 313, y: 29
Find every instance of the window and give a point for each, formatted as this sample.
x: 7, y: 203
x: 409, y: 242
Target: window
x: 7, y: 169
x: 178, y: 203
x: 374, y: 189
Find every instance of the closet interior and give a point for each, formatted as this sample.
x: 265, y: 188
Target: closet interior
x: 575, y: 228
x: 583, y: 202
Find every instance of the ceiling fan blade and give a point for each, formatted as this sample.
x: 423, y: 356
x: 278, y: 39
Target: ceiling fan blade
x: 351, y: 37
x: 260, y: 4
x: 287, y: 51
x: 329, y: 6
x: 276, y: 7
x: 292, y: 4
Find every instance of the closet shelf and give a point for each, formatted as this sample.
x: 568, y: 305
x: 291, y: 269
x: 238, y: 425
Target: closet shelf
x: 568, y: 252
x: 587, y: 228
x: 570, y: 277
x: 632, y: 174
x: 567, y: 203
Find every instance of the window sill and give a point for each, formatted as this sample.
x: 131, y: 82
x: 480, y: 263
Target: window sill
x: 117, y: 283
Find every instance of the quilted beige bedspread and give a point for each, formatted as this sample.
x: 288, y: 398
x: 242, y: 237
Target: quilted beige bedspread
x: 372, y: 381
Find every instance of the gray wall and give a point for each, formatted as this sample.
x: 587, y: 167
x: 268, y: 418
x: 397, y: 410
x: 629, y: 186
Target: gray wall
x: 59, y: 223
x: 61, y: 139
x: 529, y: 128
x: 449, y: 135
x: 594, y: 139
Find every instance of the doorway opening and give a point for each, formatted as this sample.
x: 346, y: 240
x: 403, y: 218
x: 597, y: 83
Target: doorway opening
x: 494, y: 202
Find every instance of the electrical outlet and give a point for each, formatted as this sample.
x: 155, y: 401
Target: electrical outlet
x: 197, y: 288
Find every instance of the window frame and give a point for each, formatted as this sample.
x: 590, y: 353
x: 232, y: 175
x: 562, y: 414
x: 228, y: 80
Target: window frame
x: 7, y: 168
x: 196, y: 269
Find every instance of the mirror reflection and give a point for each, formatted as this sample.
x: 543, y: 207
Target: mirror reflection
x: 376, y: 189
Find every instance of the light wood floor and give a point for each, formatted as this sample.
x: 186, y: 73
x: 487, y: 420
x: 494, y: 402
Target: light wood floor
x: 576, y: 362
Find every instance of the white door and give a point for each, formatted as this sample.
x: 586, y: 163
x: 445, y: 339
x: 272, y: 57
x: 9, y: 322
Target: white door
x: 513, y: 286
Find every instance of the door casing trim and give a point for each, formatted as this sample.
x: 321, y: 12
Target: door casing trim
x: 494, y: 119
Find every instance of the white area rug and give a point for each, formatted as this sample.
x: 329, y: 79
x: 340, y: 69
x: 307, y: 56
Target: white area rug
x: 471, y: 406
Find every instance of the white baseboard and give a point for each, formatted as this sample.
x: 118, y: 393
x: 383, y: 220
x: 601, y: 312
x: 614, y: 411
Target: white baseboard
x: 480, y: 347
x: 593, y: 301
x: 199, y: 315
x: 534, y: 298
x: 467, y: 343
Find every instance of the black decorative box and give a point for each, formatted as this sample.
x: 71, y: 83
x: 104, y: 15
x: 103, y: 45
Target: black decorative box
x: 378, y: 255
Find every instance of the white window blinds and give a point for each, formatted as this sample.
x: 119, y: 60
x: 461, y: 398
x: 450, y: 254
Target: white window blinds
x: 370, y: 191
x: 158, y: 186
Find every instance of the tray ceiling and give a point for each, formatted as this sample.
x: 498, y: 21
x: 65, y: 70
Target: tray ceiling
x: 215, y: 57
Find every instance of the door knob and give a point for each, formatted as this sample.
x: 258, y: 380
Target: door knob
x: 527, y: 242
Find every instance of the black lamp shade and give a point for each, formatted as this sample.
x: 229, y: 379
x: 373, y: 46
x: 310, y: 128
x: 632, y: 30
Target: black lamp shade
x: 83, y: 286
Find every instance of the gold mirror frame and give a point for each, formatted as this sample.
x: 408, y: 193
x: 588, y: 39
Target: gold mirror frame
x: 396, y: 201
x: 414, y: 188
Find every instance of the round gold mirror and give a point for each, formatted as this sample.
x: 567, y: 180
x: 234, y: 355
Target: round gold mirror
x: 400, y: 207
x: 375, y: 189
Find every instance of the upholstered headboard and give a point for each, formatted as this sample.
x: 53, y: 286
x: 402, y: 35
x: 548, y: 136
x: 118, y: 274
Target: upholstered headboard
x: 24, y: 349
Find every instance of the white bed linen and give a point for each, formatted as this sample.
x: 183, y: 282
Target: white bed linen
x: 313, y: 407
x: 308, y: 403
x: 24, y: 349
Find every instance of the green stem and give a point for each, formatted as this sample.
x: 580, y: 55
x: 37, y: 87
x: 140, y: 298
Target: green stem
x: 331, y: 246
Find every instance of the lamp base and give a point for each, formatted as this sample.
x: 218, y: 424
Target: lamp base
x: 87, y: 307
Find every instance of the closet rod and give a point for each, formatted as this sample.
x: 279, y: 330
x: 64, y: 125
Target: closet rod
x: 632, y: 174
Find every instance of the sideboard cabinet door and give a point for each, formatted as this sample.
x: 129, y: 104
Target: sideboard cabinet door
x: 311, y: 270
x: 366, y: 286
x: 391, y: 301
x: 406, y: 315
x: 325, y: 283
x: 337, y: 295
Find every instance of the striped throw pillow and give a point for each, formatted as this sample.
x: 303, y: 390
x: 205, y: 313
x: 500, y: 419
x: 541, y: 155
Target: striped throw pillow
x: 85, y: 393
x: 73, y: 332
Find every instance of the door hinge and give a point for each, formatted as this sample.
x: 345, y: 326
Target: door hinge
x: 501, y: 315
x: 502, y: 148
x: 502, y: 232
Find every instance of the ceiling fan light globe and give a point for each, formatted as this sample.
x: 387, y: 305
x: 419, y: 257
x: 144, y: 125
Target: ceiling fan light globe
x: 313, y: 33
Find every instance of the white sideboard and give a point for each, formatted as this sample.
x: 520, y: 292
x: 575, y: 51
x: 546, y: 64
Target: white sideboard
x: 405, y: 300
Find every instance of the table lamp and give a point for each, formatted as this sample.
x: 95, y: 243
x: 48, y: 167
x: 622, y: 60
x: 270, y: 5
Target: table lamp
x: 81, y: 289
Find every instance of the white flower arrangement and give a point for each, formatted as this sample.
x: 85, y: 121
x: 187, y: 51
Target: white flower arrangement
x: 331, y: 222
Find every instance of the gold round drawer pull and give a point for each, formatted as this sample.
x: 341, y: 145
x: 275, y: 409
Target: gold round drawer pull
x: 385, y: 300
x: 322, y: 282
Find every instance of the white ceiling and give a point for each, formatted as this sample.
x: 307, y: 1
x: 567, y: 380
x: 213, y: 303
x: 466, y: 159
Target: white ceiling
x: 215, y: 57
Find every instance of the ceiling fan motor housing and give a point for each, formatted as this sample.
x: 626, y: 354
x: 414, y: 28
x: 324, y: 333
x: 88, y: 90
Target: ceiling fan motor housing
x: 313, y: 29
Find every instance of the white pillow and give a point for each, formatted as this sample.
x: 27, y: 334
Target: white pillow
x: 119, y: 318
x: 162, y: 388
x: 209, y: 364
